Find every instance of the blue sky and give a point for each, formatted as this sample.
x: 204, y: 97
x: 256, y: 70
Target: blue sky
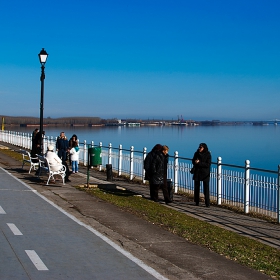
x: 144, y: 59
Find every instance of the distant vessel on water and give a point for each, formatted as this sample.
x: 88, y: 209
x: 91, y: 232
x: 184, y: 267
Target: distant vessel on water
x: 133, y: 124
x: 260, y: 123
x: 180, y: 121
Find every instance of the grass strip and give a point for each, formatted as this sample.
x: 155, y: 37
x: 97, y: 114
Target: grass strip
x: 12, y: 154
x: 231, y: 245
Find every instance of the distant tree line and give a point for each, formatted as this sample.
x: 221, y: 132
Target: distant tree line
x: 8, y: 120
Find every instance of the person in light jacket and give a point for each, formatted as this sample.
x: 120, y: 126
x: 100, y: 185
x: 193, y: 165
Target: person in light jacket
x: 202, y: 163
x: 72, y: 140
x: 53, y: 159
x: 74, y: 154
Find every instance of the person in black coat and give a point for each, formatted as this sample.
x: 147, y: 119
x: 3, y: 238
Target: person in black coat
x: 159, y: 174
x: 148, y: 167
x: 62, y: 146
x: 202, y: 163
x: 35, y: 144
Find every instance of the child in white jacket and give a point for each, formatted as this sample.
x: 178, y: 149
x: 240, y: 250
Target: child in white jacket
x: 74, y: 153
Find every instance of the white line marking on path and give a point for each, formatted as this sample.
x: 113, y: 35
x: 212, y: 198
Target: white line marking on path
x: 2, y: 210
x: 139, y: 262
x: 14, y: 229
x: 36, y: 260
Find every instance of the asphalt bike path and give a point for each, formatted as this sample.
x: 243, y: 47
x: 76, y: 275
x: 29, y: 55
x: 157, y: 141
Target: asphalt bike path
x: 39, y: 241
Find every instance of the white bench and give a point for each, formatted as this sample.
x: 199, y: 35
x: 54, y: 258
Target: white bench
x: 47, y: 168
x: 26, y: 158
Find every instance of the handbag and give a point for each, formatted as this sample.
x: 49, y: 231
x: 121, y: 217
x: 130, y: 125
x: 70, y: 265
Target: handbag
x: 192, y: 170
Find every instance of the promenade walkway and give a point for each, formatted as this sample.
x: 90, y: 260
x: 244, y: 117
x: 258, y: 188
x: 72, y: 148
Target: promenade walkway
x: 170, y: 255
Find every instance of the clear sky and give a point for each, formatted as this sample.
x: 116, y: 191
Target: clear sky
x: 146, y: 59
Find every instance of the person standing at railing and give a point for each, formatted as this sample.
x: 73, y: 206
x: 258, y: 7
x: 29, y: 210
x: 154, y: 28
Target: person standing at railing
x: 74, y: 155
x: 34, y: 147
x: 62, y: 146
x: 38, y: 144
x: 159, y: 174
x: 73, y: 140
x: 202, y: 163
x: 147, y: 166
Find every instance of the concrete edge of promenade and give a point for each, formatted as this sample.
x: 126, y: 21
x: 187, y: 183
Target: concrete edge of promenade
x: 171, y: 256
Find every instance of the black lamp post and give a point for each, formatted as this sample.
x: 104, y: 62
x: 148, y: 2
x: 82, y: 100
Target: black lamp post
x: 43, y: 58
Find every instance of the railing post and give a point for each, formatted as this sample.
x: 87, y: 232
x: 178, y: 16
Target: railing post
x: 143, y: 169
x: 31, y: 142
x: 44, y: 144
x: 51, y: 140
x: 23, y: 140
x: 47, y: 143
x: 247, y: 187
x: 100, y: 166
x: 110, y: 154
x: 120, y: 161
x: 54, y: 139
x: 88, y: 156
x: 85, y: 153
x: 176, y: 170
x: 17, y: 139
x: 29, y: 146
x: 278, y: 196
x: 219, y: 180
x: 28, y: 141
x: 131, y: 162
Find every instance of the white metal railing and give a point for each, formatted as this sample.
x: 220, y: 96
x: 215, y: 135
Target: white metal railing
x: 253, y: 189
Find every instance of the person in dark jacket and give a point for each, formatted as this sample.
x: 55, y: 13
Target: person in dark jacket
x: 202, y: 163
x: 34, y: 148
x: 159, y: 174
x: 62, y: 146
x: 38, y: 141
x: 148, y: 164
x: 72, y: 141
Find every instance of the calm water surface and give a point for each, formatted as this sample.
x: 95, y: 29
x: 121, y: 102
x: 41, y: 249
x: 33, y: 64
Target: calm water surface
x: 234, y: 144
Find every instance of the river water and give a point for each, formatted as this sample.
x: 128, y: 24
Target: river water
x: 234, y: 144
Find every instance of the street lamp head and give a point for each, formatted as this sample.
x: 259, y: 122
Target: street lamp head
x: 43, y: 56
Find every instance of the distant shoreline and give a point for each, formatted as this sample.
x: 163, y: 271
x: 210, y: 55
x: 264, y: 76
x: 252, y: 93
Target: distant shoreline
x: 98, y: 122
x: 139, y: 124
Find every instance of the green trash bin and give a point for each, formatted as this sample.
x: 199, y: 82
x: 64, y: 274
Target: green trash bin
x: 95, y: 158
